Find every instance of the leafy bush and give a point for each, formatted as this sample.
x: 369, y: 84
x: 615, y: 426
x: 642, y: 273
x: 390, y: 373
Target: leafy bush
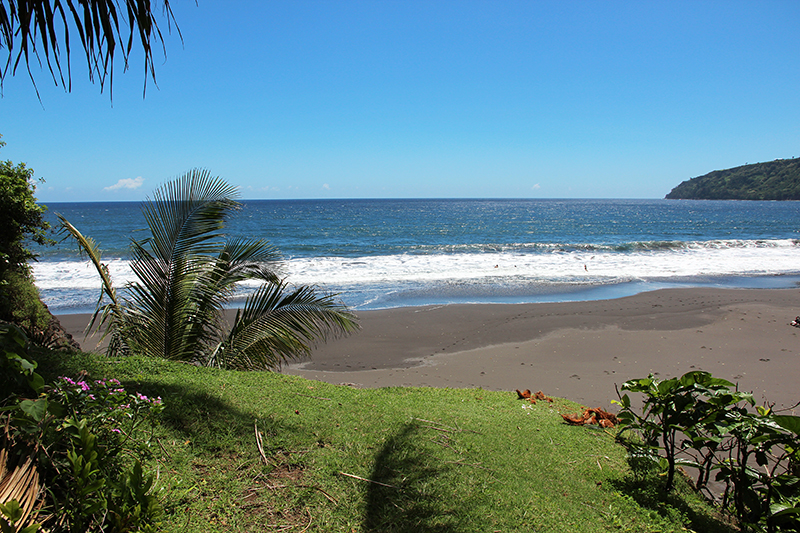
x: 21, y: 219
x: 703, y: 422
x: 22, y: 305
x: 86, y: 441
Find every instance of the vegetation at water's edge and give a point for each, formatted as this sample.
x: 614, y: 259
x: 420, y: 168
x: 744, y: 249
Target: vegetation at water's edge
x: 22, y: 222
x: 775, y: 180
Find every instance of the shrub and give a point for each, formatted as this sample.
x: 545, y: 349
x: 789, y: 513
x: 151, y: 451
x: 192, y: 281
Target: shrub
x: 701, y: 421
x: 21, y: 220
x: 86, y: 441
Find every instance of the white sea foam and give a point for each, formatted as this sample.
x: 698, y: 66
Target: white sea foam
x: 75, y: 284
x: 711, y: 259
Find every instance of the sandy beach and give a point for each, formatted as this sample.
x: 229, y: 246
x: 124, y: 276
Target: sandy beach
x: 575, y: 350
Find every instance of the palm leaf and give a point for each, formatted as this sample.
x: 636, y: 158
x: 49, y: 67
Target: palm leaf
x: 161, y: 306
x: 186, y: 216
x: 110, y: 317
x: 39, y: 26
x: 19, y: 481
x: 277, y: 325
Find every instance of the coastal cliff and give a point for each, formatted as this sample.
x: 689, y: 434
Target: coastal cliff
x: 775, y: 180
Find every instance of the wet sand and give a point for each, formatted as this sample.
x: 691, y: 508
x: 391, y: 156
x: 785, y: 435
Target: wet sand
x: 574, y: 350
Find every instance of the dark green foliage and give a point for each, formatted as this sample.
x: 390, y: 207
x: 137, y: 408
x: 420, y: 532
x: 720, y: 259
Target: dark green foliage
x: 775, y: 180
x: 21, y: 220
x: 701, y: 422
x: 676, y: 406
x: 86, y: 441
x: 20, y: 303
x: 17, y: 372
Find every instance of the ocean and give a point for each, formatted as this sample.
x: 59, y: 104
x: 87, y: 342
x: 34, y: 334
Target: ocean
x: 393, y: 253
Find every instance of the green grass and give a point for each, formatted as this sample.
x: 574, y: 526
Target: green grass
x: 441, y: 460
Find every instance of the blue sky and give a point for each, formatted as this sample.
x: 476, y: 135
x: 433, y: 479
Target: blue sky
x: 425, y: 99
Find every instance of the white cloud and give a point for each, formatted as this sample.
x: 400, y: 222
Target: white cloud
x: 326, y: 186
x: 537, y: 186
x: 126, y: 183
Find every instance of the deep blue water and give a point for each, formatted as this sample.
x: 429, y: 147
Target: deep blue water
x: 388, y: 253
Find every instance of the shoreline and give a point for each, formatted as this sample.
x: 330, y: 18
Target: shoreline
x: 575, y: 350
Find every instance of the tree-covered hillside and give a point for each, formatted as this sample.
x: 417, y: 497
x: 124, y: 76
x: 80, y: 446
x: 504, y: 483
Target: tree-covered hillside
x: 776, y: 180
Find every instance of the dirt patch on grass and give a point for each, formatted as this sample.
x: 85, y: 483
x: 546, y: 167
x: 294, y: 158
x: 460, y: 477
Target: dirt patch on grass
x: 263, y: 503
x: 287, y: 473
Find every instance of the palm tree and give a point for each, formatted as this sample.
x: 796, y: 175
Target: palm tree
x: 187, y: 271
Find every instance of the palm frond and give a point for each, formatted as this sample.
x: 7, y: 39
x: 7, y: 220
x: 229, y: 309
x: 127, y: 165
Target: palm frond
x: 276, y: 325
x: 43, y: 26
x: 162, y: 313
x: 239, y: 260
x: 252, y: 259
x: 186, y: 215
x: 107, y: 316
x: 20, y: 483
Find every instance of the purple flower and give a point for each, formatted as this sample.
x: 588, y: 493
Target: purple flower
x: 116, y: 430
x: 83, y: 385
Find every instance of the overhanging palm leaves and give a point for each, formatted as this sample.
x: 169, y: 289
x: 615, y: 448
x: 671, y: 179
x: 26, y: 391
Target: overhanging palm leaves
x: 31, y: 27
x: 187, y: 271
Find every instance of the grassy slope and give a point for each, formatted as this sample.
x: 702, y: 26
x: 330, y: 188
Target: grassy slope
x: 442, y: 460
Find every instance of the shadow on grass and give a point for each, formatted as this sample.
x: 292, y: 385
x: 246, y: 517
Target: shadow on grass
x: 414, y: 500
x: 193, y: 414
x: 646, y: 488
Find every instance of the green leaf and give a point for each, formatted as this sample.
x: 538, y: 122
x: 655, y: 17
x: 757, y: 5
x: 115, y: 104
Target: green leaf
x: 783, y: 509
x: 36, y: 409
x: 11, y: 510
x: 36, y: 382
x: 788, y: 422
x: 625, y: 402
